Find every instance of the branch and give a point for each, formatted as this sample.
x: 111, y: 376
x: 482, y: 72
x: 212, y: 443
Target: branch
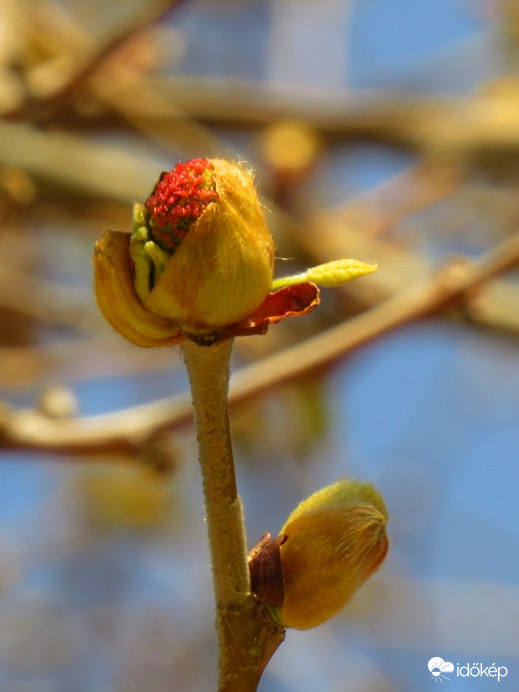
x: 429, y: 125
x: 44, y: 300
x: 128, y: 430
x: 246, y: 638
x: 88, y: 66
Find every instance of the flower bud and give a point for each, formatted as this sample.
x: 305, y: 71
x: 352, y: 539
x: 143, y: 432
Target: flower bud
x: 200, y: 258
x: 202, y: 251
x: 199, y: 263
x: 330, y: 544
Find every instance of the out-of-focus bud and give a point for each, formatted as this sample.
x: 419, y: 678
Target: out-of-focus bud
x: 330, y: 544
x: 201, y: 255
x: 58, y: 402
x: 290, y: 151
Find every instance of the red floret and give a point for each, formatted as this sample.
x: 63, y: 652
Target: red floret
x: 178, y: 199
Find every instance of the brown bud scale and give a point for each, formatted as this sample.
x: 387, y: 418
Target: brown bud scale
x: 265, y: 570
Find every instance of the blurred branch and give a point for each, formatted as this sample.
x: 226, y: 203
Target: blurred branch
x: 465, y: 128
x: 157, y: 116
x: 87, y: 66
x: 76, y: 164
x: 441, y: 125
x: 75, y: 360
x: 127, y: 430
x: 495, y: 306
x: 43, y: 300
x: 362, y: 228
x: 430, y: 125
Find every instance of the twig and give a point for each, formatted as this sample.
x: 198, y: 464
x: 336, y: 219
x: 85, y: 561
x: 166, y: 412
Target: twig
x: 429, y: 125
x: 75, y: 360
x: 140, y: 105
x: 246, y: 640
x: 89, y: 66
x: 44, y: 300
x: 76, y: 164
x: 127, y: 430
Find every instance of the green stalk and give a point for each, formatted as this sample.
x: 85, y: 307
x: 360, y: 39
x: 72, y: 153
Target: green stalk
x: 247, y: 638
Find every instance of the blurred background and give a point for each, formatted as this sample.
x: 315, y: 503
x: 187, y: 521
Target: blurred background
x: 380, y: 129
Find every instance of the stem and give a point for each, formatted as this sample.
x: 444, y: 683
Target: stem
x: 247, y: 638
x: 208, y: 370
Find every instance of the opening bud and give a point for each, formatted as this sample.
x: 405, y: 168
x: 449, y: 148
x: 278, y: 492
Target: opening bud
x: 202, y: 252
x: 200, y: 257
x: 199, y: 263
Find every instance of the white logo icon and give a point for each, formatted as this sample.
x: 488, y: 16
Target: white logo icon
x: 438, y: 667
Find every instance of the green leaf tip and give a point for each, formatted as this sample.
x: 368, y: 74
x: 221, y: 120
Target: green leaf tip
x: 330, y: 274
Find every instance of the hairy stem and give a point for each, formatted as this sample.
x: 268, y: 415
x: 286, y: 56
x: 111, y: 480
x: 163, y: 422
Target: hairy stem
x: 208, y: 370
x: 246, y: 637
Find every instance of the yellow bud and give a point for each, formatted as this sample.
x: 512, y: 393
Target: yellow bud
x: 222, y: 268
x: 200, y: 257
x: 330, y: 544
x: 335, y: 540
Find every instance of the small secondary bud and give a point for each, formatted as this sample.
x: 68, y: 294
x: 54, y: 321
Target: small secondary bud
x: 329, y: 546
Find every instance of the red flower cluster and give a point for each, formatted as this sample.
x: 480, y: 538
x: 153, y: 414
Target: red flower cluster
x: 178, y: 199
